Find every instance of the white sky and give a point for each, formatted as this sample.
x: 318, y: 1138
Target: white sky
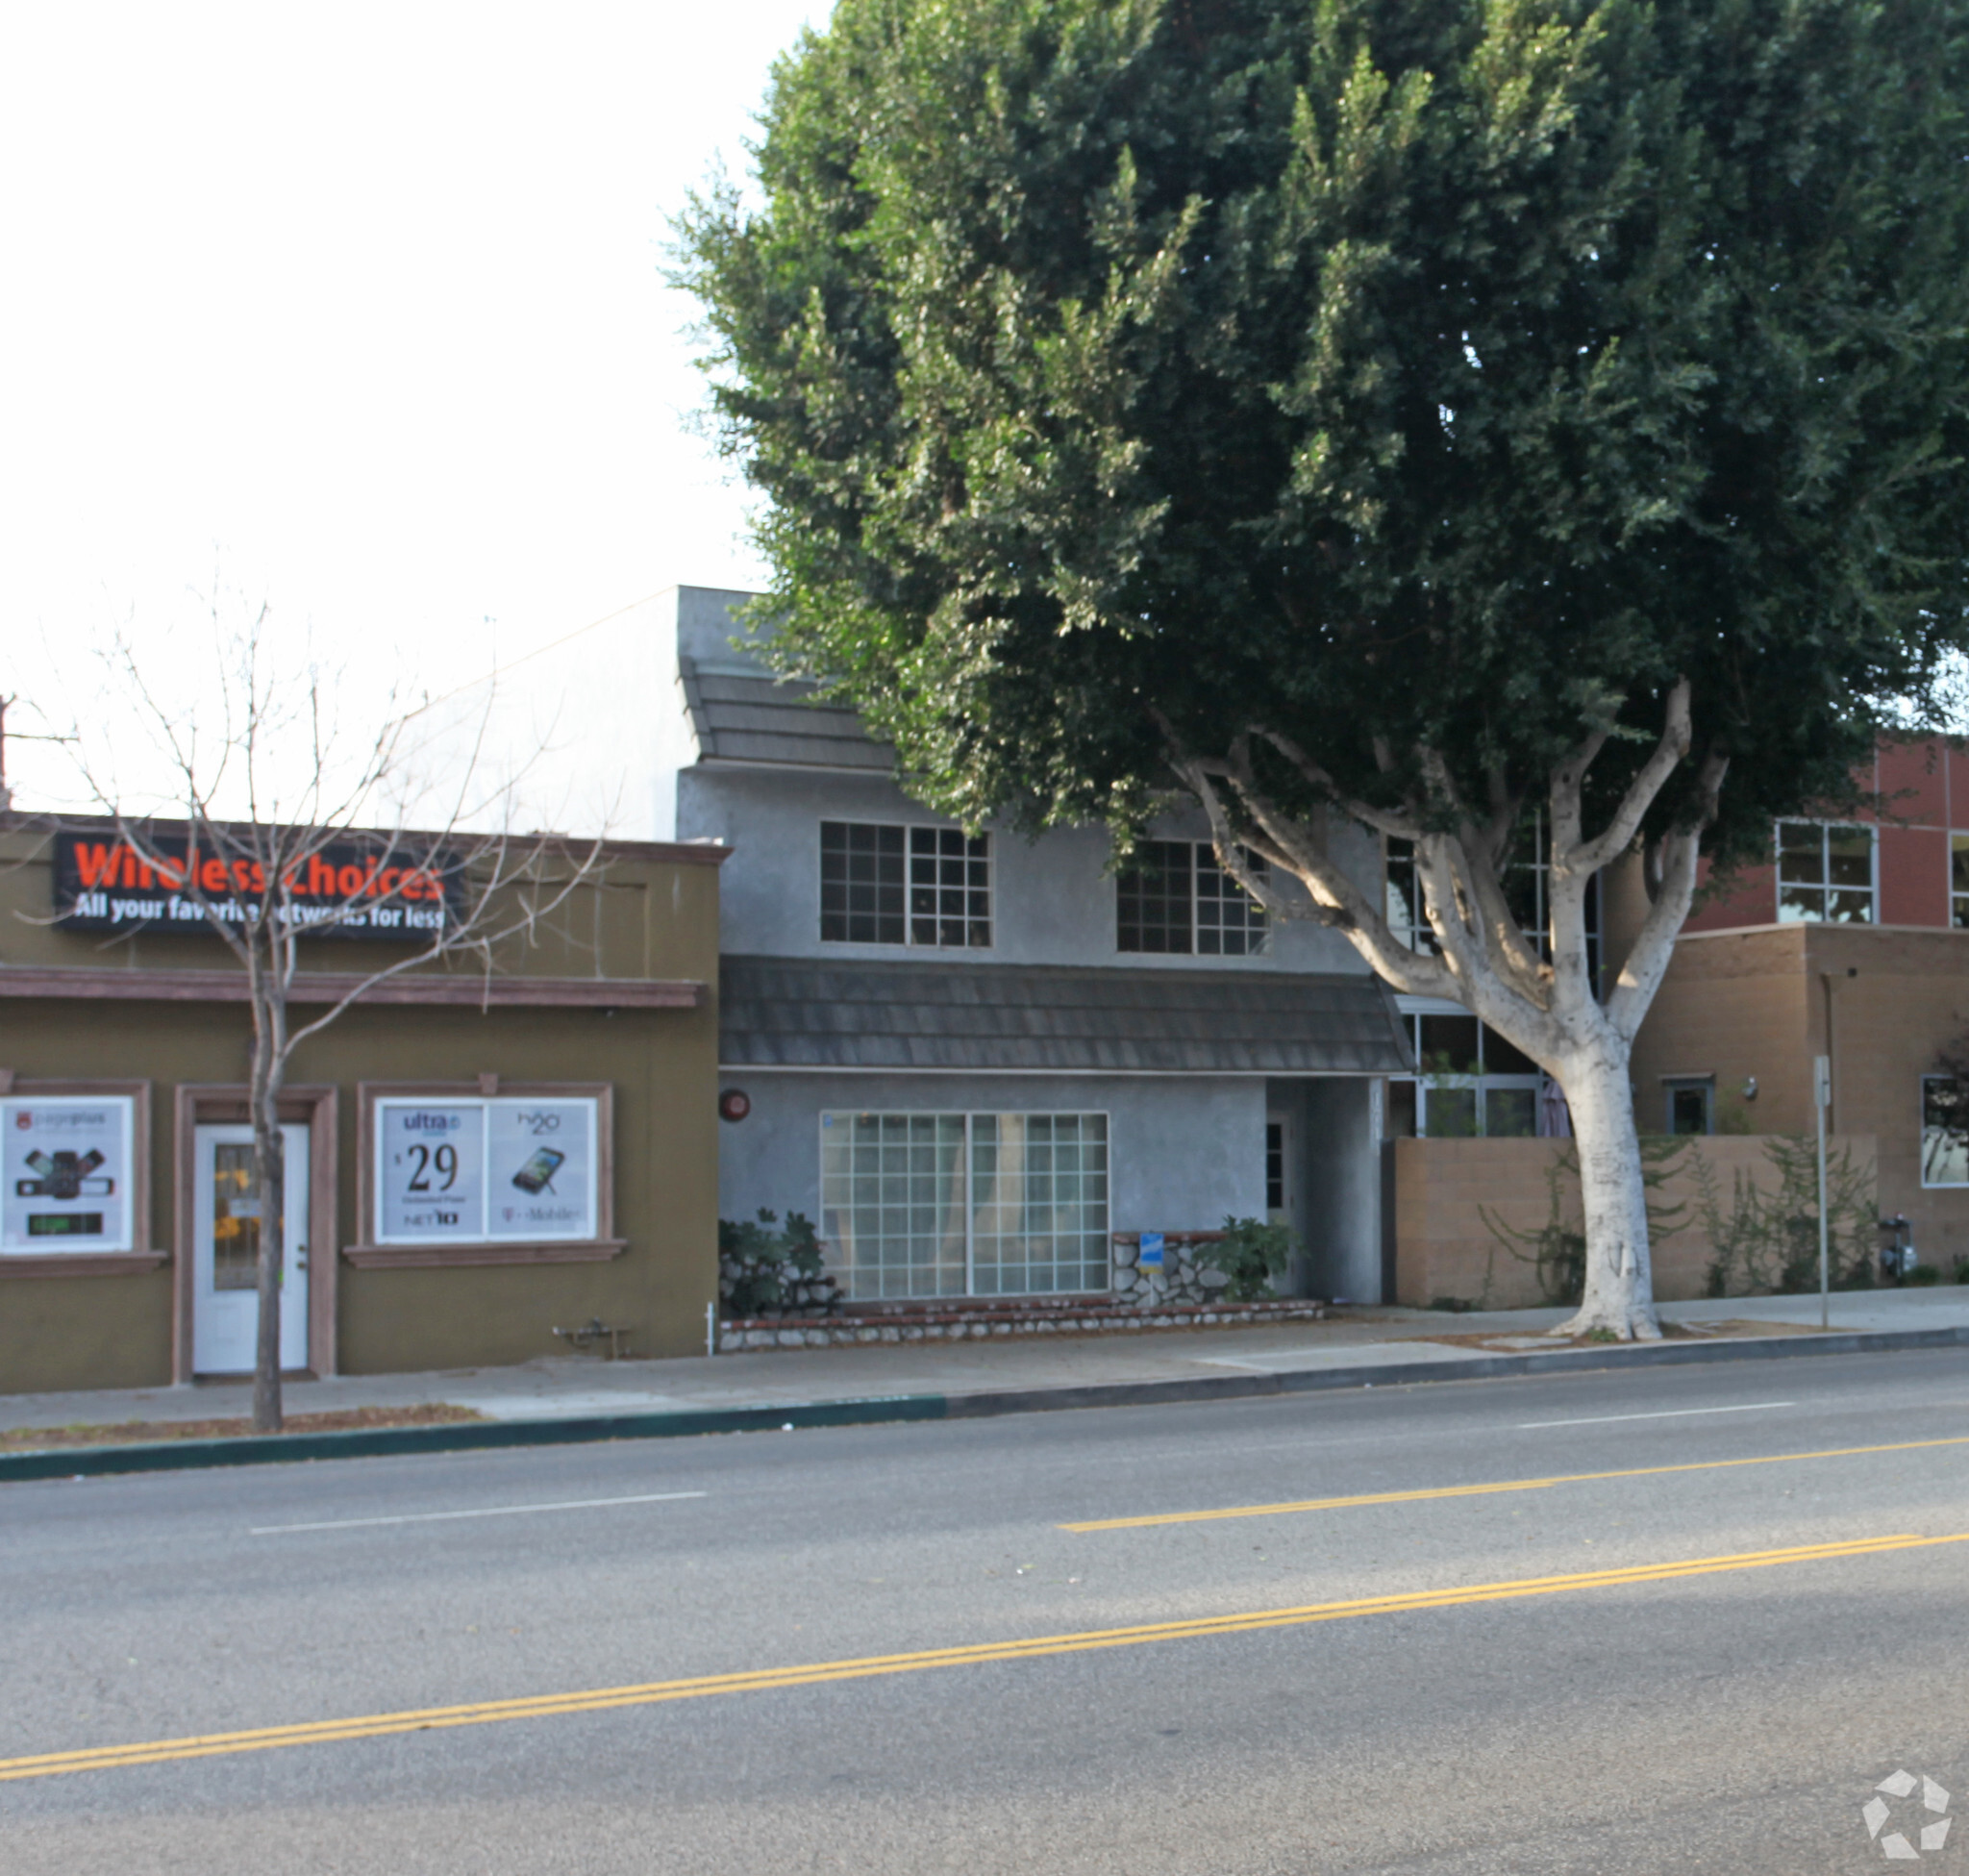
x: 361, y: 305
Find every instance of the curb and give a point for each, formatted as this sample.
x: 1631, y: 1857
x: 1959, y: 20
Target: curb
x: 479, y: 1435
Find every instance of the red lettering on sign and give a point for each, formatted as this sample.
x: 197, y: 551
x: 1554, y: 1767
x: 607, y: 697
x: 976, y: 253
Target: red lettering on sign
x: 96, y: 863
x: 386, y: 881
x: 320, y: 878
x: 213, y: 876
x: 349, y: 881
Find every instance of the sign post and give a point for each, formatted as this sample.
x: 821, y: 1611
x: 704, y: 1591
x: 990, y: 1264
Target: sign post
x: 1822, y: 1100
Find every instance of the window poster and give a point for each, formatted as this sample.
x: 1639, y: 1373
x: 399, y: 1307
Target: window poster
x: 540, y: 1160
x: 476, y: 1171
x: 431, y: 1164
x: 67, y: 1167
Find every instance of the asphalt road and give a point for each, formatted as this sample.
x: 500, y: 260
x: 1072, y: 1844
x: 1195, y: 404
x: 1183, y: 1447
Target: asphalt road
x: 1697, y: 1704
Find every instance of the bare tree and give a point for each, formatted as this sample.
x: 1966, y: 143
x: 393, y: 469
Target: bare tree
x: 251, y: 872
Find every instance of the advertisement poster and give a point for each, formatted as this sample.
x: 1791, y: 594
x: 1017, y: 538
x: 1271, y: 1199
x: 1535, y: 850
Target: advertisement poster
x: 430, y: 1172
x: 540, y: 1160
x: 477, y: 1171
x: 378, y: 892
x: 66, y: 1160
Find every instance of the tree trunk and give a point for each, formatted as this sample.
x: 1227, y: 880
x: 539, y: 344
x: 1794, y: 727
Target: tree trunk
x: 1619, y: 1289
x: 270, y: 1165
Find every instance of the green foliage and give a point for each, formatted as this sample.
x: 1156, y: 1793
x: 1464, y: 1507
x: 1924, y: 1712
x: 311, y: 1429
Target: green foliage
x: 1252, y: 1253
x: 759, y: 1262
x: 1961, y: 1270
x: 1556, y: 1250
x: 1925, y: 1275
x: 1454, y: 372
x: 1769, y: 1241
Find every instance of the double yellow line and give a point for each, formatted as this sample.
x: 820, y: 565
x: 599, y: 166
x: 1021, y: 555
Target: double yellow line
x: 1505, y: 1485
x: 49, y: 1764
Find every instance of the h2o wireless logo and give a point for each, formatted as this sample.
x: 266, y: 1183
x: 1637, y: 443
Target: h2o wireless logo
x: 538, y: 1124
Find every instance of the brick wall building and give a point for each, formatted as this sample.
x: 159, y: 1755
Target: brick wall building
x: 1854, y: 943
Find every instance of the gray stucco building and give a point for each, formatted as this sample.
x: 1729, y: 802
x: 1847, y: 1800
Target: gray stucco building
x: 972, y: 1059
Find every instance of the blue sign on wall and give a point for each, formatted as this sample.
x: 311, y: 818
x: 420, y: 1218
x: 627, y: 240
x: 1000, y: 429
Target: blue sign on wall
x: 1150, y: 1255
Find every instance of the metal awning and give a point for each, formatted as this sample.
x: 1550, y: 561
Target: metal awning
x: 956, y: 1018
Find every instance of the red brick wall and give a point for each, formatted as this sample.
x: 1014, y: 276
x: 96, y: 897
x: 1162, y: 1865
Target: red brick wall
x: 1925, y: 790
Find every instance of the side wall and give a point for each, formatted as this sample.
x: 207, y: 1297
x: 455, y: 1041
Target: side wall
x: 1882, y: 1003
x: 1444, y: 1190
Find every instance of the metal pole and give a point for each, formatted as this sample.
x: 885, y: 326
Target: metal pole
x: 1821, y: 1098
x: 710, y: 1326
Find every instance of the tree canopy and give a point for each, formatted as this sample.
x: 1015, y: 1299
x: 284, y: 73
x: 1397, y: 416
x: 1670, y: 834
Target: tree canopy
x: 1389, y: 374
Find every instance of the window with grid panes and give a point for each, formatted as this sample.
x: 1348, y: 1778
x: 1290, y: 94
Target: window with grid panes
x: 1958, y: 879
x: 1174, y: 898
x: 958, y: 1204
x: 1825, y: 873
x: 890, y: 885
x: 950, y: 887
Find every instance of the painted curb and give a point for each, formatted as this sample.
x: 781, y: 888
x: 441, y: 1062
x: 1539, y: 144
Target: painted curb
x: 479, y: 1435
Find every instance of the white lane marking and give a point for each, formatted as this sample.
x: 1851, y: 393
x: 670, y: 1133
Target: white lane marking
x: 1671, y: 1413
x: 492, y: 1511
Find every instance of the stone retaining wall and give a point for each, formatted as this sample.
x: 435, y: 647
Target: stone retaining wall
x: 1089, y: 1319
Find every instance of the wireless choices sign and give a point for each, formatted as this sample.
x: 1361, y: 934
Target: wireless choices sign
x: 344, y: 890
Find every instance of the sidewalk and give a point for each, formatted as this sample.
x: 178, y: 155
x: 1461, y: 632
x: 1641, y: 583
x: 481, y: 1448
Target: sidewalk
x: 1366, y: 1341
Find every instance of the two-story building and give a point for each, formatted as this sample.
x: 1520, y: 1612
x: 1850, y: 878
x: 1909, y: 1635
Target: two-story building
x: 974, y: 1057
x: 1854, y: 945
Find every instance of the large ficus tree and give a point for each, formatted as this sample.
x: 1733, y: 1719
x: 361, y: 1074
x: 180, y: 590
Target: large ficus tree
x: 1422, y: 410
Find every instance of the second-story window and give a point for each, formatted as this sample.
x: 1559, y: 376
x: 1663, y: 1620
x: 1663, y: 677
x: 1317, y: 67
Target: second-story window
x: 1173, y: 897
x: 1825, y: 872
x: 887, y: 885
x: 1525, y: 882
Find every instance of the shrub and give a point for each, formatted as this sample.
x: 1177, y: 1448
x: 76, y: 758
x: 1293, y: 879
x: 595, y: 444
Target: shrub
x: 1251, y: 1254
x: 759, y: 1263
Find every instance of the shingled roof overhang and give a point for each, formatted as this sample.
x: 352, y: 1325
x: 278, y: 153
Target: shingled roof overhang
x: 746, y: 716
x: 953, y: 1017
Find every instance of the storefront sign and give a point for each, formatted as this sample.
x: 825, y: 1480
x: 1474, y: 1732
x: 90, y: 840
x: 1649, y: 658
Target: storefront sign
x: 346, y: 890
x: 67, y: 1160
x: 454, y: 1170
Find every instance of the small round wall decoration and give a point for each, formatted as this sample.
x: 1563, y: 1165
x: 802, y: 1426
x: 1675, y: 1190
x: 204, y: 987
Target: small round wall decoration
x: 733, y: 1104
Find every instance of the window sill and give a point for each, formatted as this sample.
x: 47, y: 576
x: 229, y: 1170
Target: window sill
x: 80, y: 1264
x: 436, y: 1257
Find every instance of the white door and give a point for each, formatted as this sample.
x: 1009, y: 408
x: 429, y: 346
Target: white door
x: 225, y: 1252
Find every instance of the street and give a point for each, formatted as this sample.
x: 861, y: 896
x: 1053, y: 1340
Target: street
x: 1698, y: 1703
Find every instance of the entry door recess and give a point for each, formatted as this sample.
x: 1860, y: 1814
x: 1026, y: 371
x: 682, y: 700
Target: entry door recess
x: 225, y: 1250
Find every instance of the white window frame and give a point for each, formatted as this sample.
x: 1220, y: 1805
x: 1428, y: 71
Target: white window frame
x: 909, y: 830
x: 129, y: 1164
x: 598, y: 1098
x: 1938, y: 1184
x: 1959, y: 897
x: 1825, y: 828
x: 970, y: 1116
x: 1260, y: 934
x: 1411, y: 1008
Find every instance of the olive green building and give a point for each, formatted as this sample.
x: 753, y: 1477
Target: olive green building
x: 477, y: 1159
